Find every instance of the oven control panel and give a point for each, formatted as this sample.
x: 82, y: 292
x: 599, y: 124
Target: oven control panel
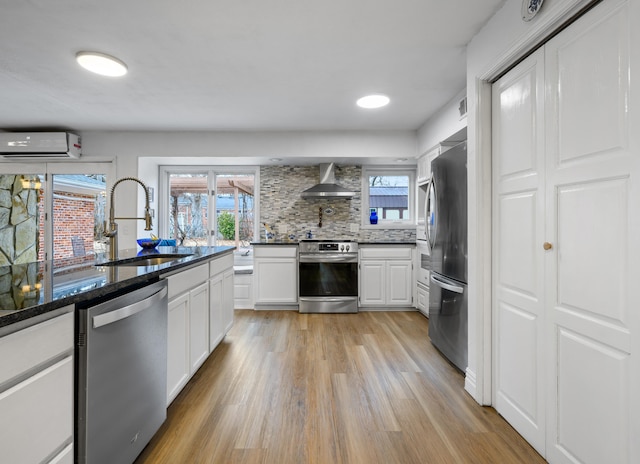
x: 328, y: 247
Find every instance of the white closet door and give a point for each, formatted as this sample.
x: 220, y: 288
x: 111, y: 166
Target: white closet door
x: 593, y: 209
x: 518, y: 231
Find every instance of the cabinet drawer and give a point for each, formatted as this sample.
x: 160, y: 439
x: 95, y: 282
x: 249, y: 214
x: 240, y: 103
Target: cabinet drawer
x: 185, y: 280
x: 393, y: 252
x: 219, y: 265
x: 37, y: 414
x: 275, y: 251
x: 30, y: 347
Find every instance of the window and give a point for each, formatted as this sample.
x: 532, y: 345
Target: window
x: 52, y: 210
x: 208, y: 205
x: 390, y: 193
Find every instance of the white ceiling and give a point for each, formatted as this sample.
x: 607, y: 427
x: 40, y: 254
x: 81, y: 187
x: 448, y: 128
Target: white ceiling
x: 233, y: 65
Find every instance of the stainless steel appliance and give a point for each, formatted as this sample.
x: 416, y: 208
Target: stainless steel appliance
x: 446, y: 219
x: 328, y: 276
x: 121, y: 375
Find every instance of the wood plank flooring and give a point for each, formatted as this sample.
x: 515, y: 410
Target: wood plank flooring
x: 285, y: 387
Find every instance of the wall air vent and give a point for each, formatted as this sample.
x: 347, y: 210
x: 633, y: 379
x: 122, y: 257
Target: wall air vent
x: 36, y: 146
x: 462, y: 107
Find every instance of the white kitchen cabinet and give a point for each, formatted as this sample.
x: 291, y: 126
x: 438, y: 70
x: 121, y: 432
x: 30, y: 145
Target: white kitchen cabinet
x: 275, y: 271
x: 386, y: 276
x: 220, y: 299
x: 422, y: 296
x: 36, y: 397
x: 424, y: 162
x: 188, y: 326
x: 424, y: 169
x: 372, y: 283
x: 198, y: 326
x: 178, y: 366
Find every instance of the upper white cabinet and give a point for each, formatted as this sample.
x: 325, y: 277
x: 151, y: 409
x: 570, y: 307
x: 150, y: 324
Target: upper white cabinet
x: 424, y: 165
x: 424, y: 162
x: 275, y: 270
x: 36, y: 393
x: 386, y: 276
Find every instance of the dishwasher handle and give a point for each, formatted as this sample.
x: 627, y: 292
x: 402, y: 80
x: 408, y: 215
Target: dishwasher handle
x: 127, y: 311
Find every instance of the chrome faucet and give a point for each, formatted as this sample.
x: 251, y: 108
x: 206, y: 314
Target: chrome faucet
x: 112, y: 232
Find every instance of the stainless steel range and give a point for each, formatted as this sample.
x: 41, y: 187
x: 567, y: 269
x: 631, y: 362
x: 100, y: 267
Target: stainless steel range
x: 328, y: 276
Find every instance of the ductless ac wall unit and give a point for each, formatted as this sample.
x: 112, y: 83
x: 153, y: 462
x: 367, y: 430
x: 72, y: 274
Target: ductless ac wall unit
x: 35, y: 146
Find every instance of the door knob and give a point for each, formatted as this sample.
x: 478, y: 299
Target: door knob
x: 547, y: 246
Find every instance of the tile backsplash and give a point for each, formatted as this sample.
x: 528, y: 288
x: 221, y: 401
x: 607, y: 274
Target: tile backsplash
x: 282, y: 208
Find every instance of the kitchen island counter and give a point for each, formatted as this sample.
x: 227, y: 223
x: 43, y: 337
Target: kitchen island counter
x: 32, y: 290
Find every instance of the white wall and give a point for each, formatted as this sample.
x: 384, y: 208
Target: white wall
x: 139, y: 154
x: 497, y: 45
x: 442, y: 125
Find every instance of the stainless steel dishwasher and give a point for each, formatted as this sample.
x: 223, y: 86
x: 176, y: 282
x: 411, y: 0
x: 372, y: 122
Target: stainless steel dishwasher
x: 121, y: 374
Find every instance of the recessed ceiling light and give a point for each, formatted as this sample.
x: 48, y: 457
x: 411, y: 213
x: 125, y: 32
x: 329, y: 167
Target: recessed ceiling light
x: 102, y: 64
x: 373, y: 101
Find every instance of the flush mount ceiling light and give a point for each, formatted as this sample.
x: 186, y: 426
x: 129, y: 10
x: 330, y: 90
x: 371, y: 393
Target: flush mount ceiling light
x: 373, y: 101
x: 102, y: 64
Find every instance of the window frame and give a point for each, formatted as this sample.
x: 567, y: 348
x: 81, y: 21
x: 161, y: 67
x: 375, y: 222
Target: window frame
x: 212, y: 170
x: 388, y: 223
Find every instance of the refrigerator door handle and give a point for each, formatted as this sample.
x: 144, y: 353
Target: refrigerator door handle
x: 446, y: 285
x: 430, y: 219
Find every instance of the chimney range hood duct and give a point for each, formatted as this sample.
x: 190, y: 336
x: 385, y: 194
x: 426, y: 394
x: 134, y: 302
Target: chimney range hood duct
x: 327, y: 188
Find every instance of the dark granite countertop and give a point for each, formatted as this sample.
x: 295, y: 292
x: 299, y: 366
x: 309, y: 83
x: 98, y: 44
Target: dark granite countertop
x: 276, y: 242
x: 394, y: 242
x: 361, y: 242
x: 32, y: 289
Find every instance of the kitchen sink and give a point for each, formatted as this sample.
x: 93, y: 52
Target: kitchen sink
x: 152, y: 260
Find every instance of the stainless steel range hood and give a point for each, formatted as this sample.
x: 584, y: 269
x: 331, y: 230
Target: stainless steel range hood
x: 327, y: 188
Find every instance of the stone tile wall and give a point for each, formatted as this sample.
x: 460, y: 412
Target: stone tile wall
x: 19, y: 221
x: 281, y: 205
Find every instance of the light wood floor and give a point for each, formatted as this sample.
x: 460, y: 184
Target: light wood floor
x: 285, y: 387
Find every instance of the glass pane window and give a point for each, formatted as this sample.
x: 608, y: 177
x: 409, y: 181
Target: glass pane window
x: 390, y: 195
x: 78, y: 212
x: 235, y: 209
x: 52, y: 210
x: 188, y: 208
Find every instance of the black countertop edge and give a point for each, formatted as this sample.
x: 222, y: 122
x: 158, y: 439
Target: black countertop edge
x: 275, y: 242
x: 396, y: 242
x: 144, y: 275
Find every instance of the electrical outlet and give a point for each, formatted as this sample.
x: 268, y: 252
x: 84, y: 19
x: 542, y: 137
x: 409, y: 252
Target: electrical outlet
x: 355, y: 228
x: 283, y: 228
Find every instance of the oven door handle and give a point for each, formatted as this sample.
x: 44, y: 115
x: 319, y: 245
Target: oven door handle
x: 324, y: 258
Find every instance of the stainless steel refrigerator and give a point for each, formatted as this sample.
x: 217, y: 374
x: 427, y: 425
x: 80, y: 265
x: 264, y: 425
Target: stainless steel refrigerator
x: 446, y: 218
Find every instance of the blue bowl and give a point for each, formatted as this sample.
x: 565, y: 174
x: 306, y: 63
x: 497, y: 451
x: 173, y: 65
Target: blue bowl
x: 148, y: 243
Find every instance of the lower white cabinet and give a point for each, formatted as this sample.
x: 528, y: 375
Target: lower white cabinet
x: 188, y: 326
x: 221, y: 299
x: 178, y: 366
x: 198, y: 326
x: 275, y: 271
x: 36, y: 397
x: 422, y: 296
x: 386, y: 276
x: 200, y: 314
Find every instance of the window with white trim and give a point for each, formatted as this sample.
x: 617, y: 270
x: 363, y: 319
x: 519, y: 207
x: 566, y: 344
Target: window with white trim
x: 390, y: 192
